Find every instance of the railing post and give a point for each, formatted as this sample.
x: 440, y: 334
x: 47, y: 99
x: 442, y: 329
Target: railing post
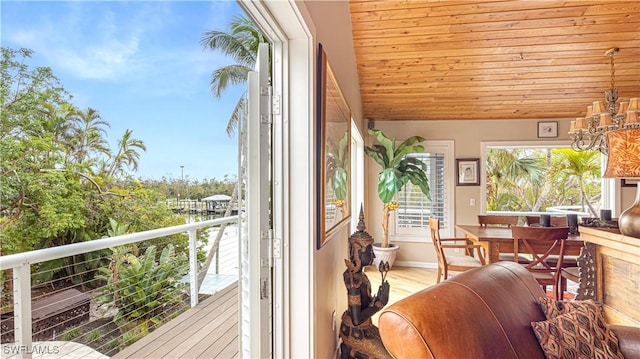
x: 193, y: 266
x: 22, y: 309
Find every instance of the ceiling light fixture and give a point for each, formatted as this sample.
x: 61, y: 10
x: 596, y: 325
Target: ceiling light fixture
x: 589, y: 132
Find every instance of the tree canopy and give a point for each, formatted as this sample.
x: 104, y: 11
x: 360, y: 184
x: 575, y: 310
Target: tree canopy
x: 60, y: 181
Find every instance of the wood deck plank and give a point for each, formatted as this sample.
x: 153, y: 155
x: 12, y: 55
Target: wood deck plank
x: 170, y: 336
x: 172, y: 346
x: 197, y: 336
x: 167, y: 329
x: 218, y: 349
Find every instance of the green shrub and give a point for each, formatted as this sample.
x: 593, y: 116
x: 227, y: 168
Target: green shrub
x: 142, y: 287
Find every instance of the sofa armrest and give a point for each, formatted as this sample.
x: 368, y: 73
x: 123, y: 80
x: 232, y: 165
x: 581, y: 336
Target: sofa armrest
x: 629, y: 338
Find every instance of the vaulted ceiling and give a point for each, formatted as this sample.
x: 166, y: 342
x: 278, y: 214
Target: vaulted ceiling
x: 516, y: 59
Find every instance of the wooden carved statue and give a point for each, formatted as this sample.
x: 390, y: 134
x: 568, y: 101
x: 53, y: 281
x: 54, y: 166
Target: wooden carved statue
x: 360, y: 338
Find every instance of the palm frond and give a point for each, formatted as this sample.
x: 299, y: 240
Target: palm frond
x: 227, y: 76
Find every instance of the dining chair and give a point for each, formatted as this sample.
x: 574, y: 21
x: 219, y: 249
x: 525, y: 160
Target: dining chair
x: 556, y: 221
x: 500, y: 220
x: 453, y: 263
x: 540, y: 243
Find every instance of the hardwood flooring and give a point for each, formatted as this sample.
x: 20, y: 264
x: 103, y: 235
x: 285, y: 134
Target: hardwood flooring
x: 403, y: 281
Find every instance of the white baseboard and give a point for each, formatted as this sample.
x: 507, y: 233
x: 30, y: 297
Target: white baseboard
x: 428, y: 265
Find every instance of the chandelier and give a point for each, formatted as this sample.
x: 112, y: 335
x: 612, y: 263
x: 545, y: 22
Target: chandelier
x: 589, y: 132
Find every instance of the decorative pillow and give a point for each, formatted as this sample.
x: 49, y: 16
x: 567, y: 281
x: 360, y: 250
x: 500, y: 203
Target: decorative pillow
x: 553, y: 308
x: 579, y: 333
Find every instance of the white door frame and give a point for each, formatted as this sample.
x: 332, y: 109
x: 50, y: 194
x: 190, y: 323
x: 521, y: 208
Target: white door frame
x: 285, y: 24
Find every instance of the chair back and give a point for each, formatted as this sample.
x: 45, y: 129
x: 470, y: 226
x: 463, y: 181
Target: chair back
x: 504, y: 221
x: 434, y: 225
x: 556, y: 221
x: 540, y: 243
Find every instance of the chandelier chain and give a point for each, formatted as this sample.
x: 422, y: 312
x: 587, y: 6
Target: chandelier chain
x: 613, y: 73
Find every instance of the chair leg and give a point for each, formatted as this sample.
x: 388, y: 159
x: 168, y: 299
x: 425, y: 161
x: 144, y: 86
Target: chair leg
x: 439, y: 275
x: 560, y: 289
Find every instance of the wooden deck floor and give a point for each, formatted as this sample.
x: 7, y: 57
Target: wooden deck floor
x: 209, y: 330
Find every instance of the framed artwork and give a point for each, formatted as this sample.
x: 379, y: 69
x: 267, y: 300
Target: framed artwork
x: 333, y: 130
x: 468, y: 172
x: 629, y: 182
x: 547, y: 129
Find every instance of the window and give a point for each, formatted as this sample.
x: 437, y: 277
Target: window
x: 411, y: 220
x: 529, y: 177
x: 357, y: 171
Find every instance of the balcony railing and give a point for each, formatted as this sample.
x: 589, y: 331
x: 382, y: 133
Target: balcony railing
x: 56, y: 292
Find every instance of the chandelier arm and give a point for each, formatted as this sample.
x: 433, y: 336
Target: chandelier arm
x: 592, y: 136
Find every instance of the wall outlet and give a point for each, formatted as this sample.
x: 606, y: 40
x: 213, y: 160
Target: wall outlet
x: 472, y: 202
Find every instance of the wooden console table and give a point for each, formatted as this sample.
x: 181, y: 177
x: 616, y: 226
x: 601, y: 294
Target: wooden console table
x: 617, y: 274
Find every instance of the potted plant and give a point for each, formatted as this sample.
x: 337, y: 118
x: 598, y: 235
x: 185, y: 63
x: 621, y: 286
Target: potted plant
x: 396, y: 171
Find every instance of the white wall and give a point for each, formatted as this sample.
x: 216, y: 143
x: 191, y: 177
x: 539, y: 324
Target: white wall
x: 332, y: 23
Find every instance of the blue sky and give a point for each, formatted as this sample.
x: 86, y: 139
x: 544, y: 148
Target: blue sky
x: 140, y: 64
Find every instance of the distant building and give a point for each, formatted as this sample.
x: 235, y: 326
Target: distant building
x: 217, y: 202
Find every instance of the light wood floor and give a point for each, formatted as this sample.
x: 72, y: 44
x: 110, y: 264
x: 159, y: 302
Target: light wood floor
x: 403, y: 281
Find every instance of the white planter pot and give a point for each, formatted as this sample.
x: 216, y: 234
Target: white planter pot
x: 385, y: 254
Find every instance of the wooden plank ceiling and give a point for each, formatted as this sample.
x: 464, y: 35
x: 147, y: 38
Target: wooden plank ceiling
x: 467, y: 60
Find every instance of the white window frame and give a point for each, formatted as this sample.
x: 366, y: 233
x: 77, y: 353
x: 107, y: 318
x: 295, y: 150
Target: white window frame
x: 423, y: 235
x: 357, y: 174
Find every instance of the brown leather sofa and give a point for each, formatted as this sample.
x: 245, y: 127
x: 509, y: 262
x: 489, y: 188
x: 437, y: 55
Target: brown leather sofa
x: 482, y: 313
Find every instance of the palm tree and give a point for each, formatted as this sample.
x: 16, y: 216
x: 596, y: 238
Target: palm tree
x: 56, y: 121
x: 89, y: 133
x: 241, y: 44
x: 579, y: 167
x: 508, y: 168
x: 128, y: 154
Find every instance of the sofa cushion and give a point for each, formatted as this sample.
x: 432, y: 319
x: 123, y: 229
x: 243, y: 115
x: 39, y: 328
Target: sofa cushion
x: 576, y: 330
x: 553, y: 308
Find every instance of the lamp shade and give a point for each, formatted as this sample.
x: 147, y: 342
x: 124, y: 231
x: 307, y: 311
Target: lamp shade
x: 624, y: 154
x: 581, y: 124
x: 633, y: 104
x: 623, y: 108
x: 605, y: 121
x: 597, y: 108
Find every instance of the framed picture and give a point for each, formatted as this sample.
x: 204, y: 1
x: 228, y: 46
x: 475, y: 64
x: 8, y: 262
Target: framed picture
x: 547, y: 129
x: 630, y: 182
x: 333, y: 153
x: 468, y: 172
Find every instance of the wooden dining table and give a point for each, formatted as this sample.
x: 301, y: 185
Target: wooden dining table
x: 496, y: 240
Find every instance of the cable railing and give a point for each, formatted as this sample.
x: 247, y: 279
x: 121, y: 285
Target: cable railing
x: 107, y: 293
